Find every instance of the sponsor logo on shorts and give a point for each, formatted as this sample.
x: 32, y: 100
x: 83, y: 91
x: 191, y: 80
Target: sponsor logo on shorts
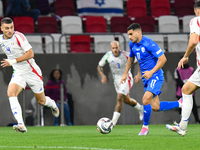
x: 41, y: 89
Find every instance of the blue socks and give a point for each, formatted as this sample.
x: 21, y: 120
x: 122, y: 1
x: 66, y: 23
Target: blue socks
x: 168, y: 105
x: 147, y: 114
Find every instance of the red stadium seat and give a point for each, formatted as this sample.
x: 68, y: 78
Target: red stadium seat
x: 64, y: 8
x: 136, y: 8
x: 147, y: 23
x: 119, y: 24
x: 160, y: 8
x: 47, y: 25
x: 24, y: 24
x: 184, y: 7
x: 80, y: 44
x: 95, y: 24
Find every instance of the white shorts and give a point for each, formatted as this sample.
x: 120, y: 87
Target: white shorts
x: 195, y: 77
x: 123, y: 88
x: 33, y: 80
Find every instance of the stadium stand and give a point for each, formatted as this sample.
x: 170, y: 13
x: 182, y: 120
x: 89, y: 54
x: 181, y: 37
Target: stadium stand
x: 136, y: 8
x: 168, y: 24
x: 119, y: 24
x: 24, y: 24
x: 47, y: 25
x: 184, y: 7
x: 64, y: 8
x: 147, y: 23
x: 160, y: 8
x: 186, y: 20
x: 102, y: 43
x: 80, y: 44
x: 71, y: 24
x: 95, y: 24
x: 49, y: 42
x: 43, y: 6
x: 36, y: 43
x: 177, y: 42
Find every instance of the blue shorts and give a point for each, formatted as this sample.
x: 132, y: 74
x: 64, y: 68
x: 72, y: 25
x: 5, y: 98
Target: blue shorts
x: 153, y: 84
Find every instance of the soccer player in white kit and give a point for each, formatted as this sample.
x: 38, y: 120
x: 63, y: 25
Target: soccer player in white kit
x: 194, y: 81
x: 117, y: 60
x: 25, y: 71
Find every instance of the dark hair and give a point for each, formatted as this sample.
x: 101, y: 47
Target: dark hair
x: 133, y: 26
x: 6, y: 20
x: 52, y: 76
x: 197, y: 4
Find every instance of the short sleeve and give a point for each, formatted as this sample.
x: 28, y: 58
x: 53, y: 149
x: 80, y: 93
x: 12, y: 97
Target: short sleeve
x: 195, y: 25
x: 22, y: 41
x: 104, y: 59
x: 155, y: 49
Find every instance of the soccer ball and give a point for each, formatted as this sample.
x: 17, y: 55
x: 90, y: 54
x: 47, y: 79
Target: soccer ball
x: 104, y: 125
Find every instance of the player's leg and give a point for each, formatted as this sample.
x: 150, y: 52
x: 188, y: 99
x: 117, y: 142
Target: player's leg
x: 118, y: 108
x: 146, y: 112
x: 164, y: 105
x: 12, y: 92
x: 47, y: 101
x: 187, y: 90
x: 132, y: 102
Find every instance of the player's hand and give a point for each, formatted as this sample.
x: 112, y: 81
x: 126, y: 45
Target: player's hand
x: 137, y: 78
x: 123, y: 80
x: 182, y: 62
x: 104, y: 80
x: 5, y: 63
x: 147, y: 74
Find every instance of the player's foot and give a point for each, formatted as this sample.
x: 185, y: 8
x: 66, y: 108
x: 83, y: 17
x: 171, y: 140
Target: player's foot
x: 180, y: 101
x: 55, y: 111
x: 20, y: 128
x: 176, y: 129
x: 144, y: 131
x: 141, y: 113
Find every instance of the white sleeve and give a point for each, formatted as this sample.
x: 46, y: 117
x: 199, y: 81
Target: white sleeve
x: 195, y: 25
x: 22, y: 41
x: 104, y: 60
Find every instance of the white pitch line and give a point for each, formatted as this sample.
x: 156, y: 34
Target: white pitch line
x: 60, y: 147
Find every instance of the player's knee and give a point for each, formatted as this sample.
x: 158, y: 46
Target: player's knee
x: 41, y: 102
x: 155, y: 109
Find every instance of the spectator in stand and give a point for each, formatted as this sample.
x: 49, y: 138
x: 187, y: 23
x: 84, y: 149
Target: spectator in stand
x: 21, y: 8
x: 54, y: 93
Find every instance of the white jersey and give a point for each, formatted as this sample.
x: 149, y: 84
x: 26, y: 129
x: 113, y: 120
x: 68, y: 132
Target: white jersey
x: 195, y: 28
x: 15, y: 47
x: 117, y: 64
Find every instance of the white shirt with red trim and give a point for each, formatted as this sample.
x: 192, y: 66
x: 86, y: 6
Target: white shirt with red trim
x: 117, y: 64
x: 195, y: 28
x: 15, y: 47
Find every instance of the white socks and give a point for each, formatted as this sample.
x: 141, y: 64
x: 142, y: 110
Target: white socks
x: 138, y: 106
x: 186, y: 110
x: 16, y: 109
x: 50, y: 103
x: 115, y: 118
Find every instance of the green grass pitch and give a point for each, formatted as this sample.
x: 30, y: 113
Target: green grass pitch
x: 122, y: 137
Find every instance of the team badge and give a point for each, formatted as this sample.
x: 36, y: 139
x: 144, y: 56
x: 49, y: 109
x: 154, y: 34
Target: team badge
x: 143, y: 49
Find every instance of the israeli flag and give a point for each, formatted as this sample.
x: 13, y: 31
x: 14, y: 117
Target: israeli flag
x: 106, y: 8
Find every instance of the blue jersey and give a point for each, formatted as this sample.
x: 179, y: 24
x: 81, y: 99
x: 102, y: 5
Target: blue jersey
x: 147, y: 53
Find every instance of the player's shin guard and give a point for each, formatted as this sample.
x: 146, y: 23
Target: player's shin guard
x: 147, y: 114
x: 168, y: 105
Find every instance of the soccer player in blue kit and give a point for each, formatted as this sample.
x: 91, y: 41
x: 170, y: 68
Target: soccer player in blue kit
x: 151, y: 59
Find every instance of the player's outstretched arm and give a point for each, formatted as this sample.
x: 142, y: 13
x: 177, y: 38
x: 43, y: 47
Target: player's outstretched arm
x: 128, y: 66
x: 193, y: 41
x: 103, y: 76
